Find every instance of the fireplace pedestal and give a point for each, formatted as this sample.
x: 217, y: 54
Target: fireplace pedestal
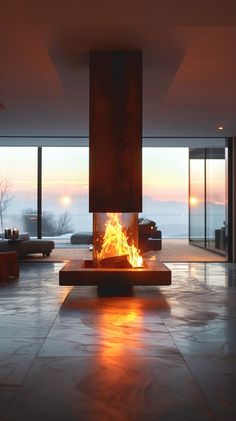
x: 82, y: 272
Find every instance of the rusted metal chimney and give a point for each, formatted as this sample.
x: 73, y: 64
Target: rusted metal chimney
x: 115, y: 122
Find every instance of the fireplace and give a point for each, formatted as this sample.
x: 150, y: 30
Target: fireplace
x: 115, y: 177
x: 116, y: 235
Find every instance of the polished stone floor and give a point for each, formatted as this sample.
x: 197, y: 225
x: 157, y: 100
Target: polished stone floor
x: 164, y: 353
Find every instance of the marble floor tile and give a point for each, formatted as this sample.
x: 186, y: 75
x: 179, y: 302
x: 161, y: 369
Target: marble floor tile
x: 7, y: 394
x: 16, y: 355
x: 161, y: 353
x: 134, y: 341
x: 22, y: 327
x: 215, y: 373
x: 106, y: 388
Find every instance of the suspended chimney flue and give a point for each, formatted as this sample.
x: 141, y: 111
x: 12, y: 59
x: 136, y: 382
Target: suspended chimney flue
x: 115, y: 178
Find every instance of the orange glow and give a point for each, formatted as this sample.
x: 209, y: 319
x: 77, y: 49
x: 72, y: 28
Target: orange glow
x: 119, y: 320
x: 193, y: 200
x: 128, y: 314
x: 115, y: 242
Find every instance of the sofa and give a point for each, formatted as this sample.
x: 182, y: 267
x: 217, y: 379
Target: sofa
x: 149, y: 237
x: 81, y: 238
x: 26, y: 247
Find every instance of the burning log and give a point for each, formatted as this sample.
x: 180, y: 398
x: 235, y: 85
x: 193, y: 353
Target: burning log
x: 115, y: 262
x: 116, y: 243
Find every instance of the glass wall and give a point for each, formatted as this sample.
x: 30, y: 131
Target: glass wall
x: 18, y: 189
x: 197, y: 201
x: 207, y: 198
x: 215, y: 200
x: 65, y: 174
x: 165, y: 189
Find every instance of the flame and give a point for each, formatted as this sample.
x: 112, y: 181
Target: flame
x: 115, y: 242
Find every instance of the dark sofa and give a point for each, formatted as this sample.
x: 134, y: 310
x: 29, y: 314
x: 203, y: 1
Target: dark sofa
x: 82, y: 238
x: 149, y: 237
x: 26, y: 247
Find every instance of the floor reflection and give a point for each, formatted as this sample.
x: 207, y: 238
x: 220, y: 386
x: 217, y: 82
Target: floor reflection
x: 117, y: 326
x: 163, y: 353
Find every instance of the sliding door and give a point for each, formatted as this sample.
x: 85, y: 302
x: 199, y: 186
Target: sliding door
x: 197, y: 199
x: 207, y: 198
x: 215, y: 199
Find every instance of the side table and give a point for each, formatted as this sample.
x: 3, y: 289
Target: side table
x: 9, y: 266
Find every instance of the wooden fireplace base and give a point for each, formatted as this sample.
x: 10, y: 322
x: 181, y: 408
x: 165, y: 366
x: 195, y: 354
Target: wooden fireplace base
x: 82, y: 272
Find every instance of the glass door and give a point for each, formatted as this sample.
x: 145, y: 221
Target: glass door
x: 207, y: 198
x: 215, y: 200
x: 197, y: 198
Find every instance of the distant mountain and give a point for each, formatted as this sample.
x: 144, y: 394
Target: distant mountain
x: 170, y: 207
x: 170, y: 216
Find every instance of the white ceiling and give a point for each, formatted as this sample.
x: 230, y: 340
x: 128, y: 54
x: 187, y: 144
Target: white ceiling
x: 189, y: 64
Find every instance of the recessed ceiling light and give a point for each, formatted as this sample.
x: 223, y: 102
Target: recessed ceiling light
x: 220, y: 128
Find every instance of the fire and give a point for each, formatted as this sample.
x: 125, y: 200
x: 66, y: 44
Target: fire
x: 115, y: 242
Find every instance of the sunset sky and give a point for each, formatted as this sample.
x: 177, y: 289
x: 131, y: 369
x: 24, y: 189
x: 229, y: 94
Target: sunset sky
x: 165, y: 173
x: 65, y: 171
x: 215, y: 174
x: 65, y: 174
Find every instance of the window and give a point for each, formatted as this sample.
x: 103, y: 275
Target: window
x: 65, y: 192
x: 18, y: 170
x: 165, y: 189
